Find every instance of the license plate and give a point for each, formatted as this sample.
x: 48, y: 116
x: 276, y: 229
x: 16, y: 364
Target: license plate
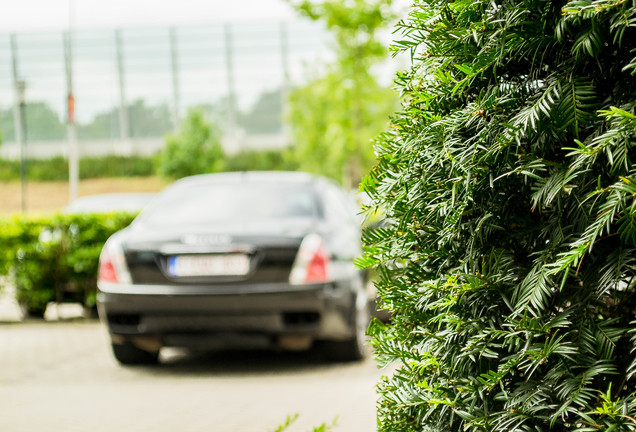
x: 209, y: 265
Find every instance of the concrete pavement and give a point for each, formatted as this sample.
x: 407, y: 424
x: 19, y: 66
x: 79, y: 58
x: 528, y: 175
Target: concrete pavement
x: 59, y: 375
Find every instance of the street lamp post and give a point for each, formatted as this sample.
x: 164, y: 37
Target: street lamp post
x: 21, y: 89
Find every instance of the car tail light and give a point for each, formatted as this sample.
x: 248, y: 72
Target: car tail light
x: 112, y: 264
x: 107, y: 271
x: 312, y: 264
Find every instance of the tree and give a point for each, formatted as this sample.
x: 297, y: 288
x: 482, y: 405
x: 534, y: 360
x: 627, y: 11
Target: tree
x: 104, y: 125
x: 42, y: 123
x: 265, y: 116
x: 336, y: 114
x: 508, y: 258
x: 6, y: 125
x: 148, y: 121
x: 195, y: 150
x: 144, y: 121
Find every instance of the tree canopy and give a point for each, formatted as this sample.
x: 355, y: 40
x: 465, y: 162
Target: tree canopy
x: 335, y: 115
x: 196, y: 149
x: 42, y: 122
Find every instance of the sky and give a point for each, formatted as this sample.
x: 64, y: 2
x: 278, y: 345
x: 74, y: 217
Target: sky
x: 49, y: 17
x: 41, y: 15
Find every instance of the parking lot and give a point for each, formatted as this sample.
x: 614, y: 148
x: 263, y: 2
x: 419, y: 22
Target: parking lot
x: 59, y: 375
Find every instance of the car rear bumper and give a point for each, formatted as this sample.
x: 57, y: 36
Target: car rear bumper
x: 193, y: 315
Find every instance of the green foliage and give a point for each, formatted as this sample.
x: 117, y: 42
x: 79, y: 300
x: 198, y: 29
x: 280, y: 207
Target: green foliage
x: 333, y: 128
x: 508, y: 181
x: 288, y: 422
x: 143, y: 121
x: 55, y: 257
x: 115, y: 166
x: 265, y: 116
x: 52, y: 169
x: 42, y: 122
x: 336, y: 114
x: 9, y: 170
x: 324, y: 427
x: 195, y: 150
x: 354, y: 25
x: 261, y: 160
x: 56, y: 169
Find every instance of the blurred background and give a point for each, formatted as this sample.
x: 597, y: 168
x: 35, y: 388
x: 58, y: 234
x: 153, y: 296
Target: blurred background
x: 134, y: 84
x: 109, y: 86
x: 127, y: 96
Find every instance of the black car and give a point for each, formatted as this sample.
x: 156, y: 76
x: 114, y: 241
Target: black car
x: 255, y: 259
x: 131, y: 202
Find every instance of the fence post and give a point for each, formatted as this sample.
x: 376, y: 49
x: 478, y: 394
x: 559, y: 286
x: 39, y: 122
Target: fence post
x: 231, y: 94
x: 284, y: 93
x: 19, y: 120
x: 174, y: 59
x: 124, y: 128
x: 73, y: 154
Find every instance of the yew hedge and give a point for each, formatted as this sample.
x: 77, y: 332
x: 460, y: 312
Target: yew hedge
x: 509, y: 258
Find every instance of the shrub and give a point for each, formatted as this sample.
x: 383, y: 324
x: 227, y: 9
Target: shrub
x: 261, y: 160
x: 195, y: 150
x: 36, y: 169
x: 56, y: 168
x: 116, y: 166
x: 55, y: 257
x: 509, y: 257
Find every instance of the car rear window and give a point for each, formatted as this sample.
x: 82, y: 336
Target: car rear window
x: 228, y: 202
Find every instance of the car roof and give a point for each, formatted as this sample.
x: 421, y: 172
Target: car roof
x: 249, y: 177
x: 118, y: 201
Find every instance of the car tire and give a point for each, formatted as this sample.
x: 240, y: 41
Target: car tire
x: 356, y: 348
x: 129, y: 354
x: 90, y: 312
x: 35, y: 311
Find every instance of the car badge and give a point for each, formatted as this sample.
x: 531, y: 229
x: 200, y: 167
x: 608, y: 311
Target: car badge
x: 206, y: 239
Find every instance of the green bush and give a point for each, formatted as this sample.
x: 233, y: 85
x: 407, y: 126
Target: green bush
x: 116, y: 166
x: 195, y: 150
x: 509, y: 255
x: 55, y: 257
x: 9, y: 170
x: 56, y: 169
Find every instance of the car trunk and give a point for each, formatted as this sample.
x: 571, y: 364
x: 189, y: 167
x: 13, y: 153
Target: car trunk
x: 241, y: 254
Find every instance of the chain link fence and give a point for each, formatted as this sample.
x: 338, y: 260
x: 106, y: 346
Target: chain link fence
x: 132, y: 86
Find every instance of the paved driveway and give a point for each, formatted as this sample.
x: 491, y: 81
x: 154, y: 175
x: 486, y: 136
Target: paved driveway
x: 60, y: 376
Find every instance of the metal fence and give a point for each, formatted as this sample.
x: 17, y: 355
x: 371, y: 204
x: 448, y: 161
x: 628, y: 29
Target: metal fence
x: 132, y: 86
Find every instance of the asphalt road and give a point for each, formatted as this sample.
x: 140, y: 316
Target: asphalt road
x: 60, y: 376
